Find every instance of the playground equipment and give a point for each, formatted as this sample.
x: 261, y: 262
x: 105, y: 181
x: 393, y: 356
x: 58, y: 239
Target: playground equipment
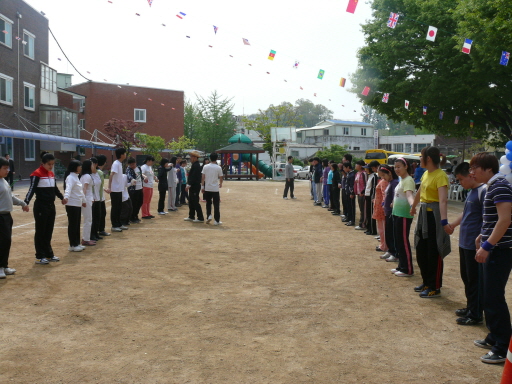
x: 247, y: 159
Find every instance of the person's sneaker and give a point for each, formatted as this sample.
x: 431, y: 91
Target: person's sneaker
x: 2, y: 273
x: 89, y: 243
x: 151, y: 216
x: 146, y: 217
x: 377, y: 237
x: 386, y: 255
x: 209, y: 219
x: 9, y: 271
x: 402, y: 274
x: 377, y: 248
x: 358, y: 228
x: 116, y: 229
x: 75, y: 249
x: 482, y: 344
x: 133, y: 222
x: 392, y: 258
x: 430, y: 293
x: 343, y: 216
x: 463, y: 312
x: 81, y: 246
x: 285, y: 198
x: 123, y: 227
x: 468, y: 321
x: 42, y: 261
x: 294, y: 198
x: 198, y: 221
x: 54, y: 258
x: 162, y: 213
x: 217, y: 223
x: 319, y: 204
x: 393, y: 270
x: 350, y: 224
x: 492, y: 358
x: 103, y: 233
x: 325, y: 206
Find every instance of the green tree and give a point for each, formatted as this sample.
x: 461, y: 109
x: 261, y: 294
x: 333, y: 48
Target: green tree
x: 310, y: 114
x: 216, y: 123
x: 438, y: 75
x: 282, y: 115
x: 151, y: 145
x: 335, y: 152
x: 183, y: 143
x: 191, y: 121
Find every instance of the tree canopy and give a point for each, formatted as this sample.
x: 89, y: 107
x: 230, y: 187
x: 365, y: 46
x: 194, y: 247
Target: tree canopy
x: 401, y: 62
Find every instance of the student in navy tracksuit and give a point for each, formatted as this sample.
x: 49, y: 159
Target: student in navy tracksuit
x: 349, y: 191
x: 42, y: 184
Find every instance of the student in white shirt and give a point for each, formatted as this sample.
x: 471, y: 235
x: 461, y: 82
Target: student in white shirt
x: 96, y: 204
x: 212, y: 178
x: 74, y: 199
x: 115, y: 188
x: 126, y: 210
x: 149, y: 179
x: 87, y: 184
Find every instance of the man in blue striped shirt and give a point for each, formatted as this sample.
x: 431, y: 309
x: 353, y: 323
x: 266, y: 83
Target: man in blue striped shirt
x: 494, y: 251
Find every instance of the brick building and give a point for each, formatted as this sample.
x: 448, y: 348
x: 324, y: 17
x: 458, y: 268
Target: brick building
x: 160, y: 111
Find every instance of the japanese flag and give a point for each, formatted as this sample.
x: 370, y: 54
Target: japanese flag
x: 406, y: 104
x: 432, y: 33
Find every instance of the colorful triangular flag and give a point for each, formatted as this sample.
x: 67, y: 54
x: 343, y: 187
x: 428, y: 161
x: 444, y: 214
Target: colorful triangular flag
x: 432, y: 33
x: 246, y: 42
x: 321, y: 74
x: 471, y: 123
x: 393, y: 19
x: 181, y: 14
x: 150, y: 2
x: 352, y: 4
x: 505, y: 56
x: 466, y: 47
x: 385, y: 98
x: 406, y: 105
x: 441, y: 115
x: 424, y: 110
x: 343, y: 82
x: 215, y: 29
x: 366, y: 91
x: 272, y: 54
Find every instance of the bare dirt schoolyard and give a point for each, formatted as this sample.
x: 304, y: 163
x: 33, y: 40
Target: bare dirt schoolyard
x: 282, y: 292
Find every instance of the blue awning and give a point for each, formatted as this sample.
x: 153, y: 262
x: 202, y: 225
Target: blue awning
x: 18, y: 134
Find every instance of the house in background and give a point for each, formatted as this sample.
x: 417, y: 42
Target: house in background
x: 406, y: 143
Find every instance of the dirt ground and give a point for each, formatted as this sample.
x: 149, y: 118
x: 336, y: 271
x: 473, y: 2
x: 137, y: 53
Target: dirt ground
x: 282, y: 292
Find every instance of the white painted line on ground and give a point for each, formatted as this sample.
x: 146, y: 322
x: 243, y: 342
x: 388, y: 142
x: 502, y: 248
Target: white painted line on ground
x: 227, y: 191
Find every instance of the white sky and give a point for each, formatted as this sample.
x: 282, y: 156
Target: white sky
x: 112, y: 43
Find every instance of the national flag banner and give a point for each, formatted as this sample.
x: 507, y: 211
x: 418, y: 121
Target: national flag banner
x: 272, y: 54
x: 18, y: 38
x: 150, y: 99
x: 314, y: 94
x: 138, y: 14
x: 385, y: 98
x: 424, y: 110
x: 296, y: 65
x: 181, y: 14
x: 441, y: 115
x: 406, y: 105
x: 150, y: 2
x: 471, y: 123
x: 58, y: 58
x: 351, y: 7
x: 456, y: 119
x: 432, y: 33
x: 134, y: 93
x: 246, y: 42
x: 321, y: 74
x: 366, y: 91
x: 119, y: 86
x: 505, y: 56
x: 4, y: 31
x: 162, y: 104
x: 466, y: 47
x: 301, y: 88
x: 393, y: 19
x: 215, y: 29
x: 343, y: 81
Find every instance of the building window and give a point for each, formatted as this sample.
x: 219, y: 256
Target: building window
x: 386, y: 147
x: 295, y: 153
x: 5, y: 31
x: 408, y: 148
x: 419, y: 147
x: 399, y: 147
x: 346, y: 130
x: 5, y: 89
x: 30, y: 91
x: 363, y: 131
x: 28, y: 44
x: 81, y: 123
x: 140, y: 115
x: 326, y: 132
x: 357, y: 148
x: 30, y: 150
x: 48, y: 78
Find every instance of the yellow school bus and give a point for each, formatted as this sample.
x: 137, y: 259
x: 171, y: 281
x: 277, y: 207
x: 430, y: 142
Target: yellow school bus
x: 380, y: 155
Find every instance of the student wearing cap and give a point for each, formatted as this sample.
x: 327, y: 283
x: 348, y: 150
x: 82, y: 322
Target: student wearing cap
x: 194, y: 189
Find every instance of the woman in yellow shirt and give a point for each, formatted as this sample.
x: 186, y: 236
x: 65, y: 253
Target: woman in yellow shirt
x: 431, y: 236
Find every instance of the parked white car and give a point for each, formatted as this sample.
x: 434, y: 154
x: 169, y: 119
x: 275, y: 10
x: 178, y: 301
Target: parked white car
x: 303, y: 173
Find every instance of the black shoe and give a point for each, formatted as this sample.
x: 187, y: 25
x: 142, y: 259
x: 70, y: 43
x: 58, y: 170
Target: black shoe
x: 96, y: 238
x: 103, y: 233
x: 344, y: 220
x: 178, y: 205
x: 420, y: 288
x: 482, y: 344
x: 493, y: 358
x: 468, y: 321
x: 430, y: 293
x: 147, y: 217
x: 379, y: 250
x: 151, y: 216
x: 463, y: 312
x: 350, y: 224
